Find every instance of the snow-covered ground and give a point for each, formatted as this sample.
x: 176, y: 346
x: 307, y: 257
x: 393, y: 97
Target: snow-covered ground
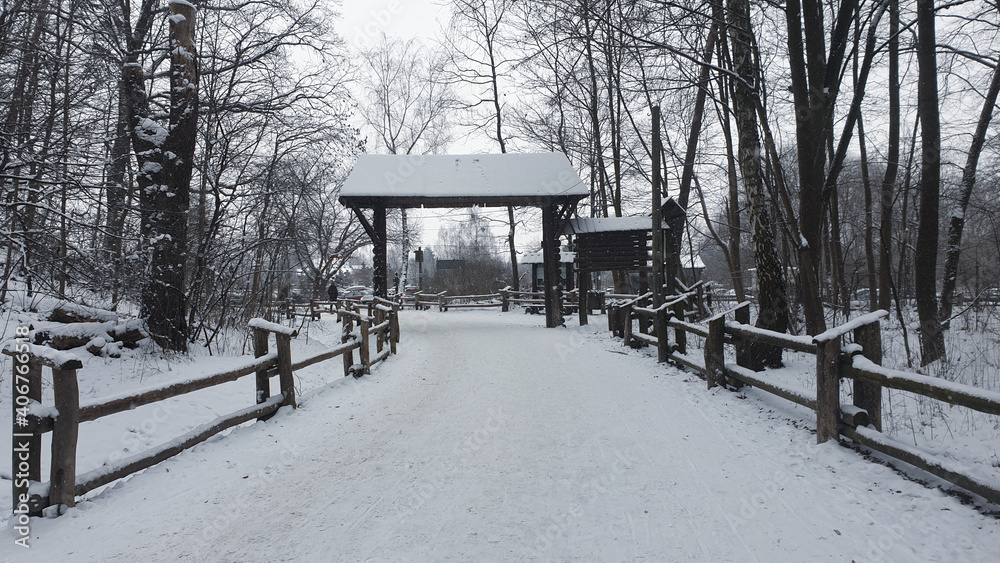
x: 490, y: 438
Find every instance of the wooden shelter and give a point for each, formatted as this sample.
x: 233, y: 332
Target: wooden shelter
x: 543, y: 180
x: 610, y: 243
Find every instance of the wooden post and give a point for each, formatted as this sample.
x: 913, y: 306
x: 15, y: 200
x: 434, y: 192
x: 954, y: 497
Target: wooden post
x: 393, y: 329
x: 364, y: 352
x: 611, y: 320
x: 584, y: 301
x: 505, y: 300
x: 680, y: 334
x: 867, y: 394
x: 283, y: 344
x: 26, y: 451
x: 550, y: 257
x: 742, y: 315
x: 626, y: 315
x: 260, y: 337
x: 700, y: 300
x: 827, y: 390
x: 345, y: 336
x: 380, y: 336
x: 441, y: 305
x: 662, y: 342
x: 65, y: 430
x: 715, y: 354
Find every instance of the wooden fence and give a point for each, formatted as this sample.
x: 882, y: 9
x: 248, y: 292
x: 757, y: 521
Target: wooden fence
x: 858, y: 360
x: 531, y: 301
x: 63, y: 418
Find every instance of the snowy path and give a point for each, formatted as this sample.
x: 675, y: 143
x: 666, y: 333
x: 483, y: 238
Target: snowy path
x: 492, y: 439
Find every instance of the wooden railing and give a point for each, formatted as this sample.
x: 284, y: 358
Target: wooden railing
x: 63, y: 418
x: 859, y: 360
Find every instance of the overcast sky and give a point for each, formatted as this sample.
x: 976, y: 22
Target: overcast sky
x: 364, y: 19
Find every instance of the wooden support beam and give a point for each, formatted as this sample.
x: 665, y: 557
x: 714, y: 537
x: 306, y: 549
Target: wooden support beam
x: 550, y: 255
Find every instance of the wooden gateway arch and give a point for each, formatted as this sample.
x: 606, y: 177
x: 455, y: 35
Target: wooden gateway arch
x: 543, y: 180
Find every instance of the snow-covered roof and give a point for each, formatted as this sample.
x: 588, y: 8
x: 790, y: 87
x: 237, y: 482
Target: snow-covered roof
x: 687, y: 262
x: 587, y: 225
x: 406, y: 180
x: 565, y: 257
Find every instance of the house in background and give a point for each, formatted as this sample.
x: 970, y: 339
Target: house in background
x: 536, y: 262
x: 693, y: 268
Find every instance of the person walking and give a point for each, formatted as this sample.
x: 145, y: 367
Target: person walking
x: 332, y: 291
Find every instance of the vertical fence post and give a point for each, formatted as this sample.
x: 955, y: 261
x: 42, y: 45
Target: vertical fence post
x: 393, y: 329
x: 583, y: 302
x: 612, y: 311
x: 680, y: 335
x: 626, y: 316
x: 441, y: 306
x: 260, y: 337
x: 380, y: 336
x: 26, y: 450
x: 65, y: 431
x: 827, y: 390
x: 364, y: 352
x: 715, y: 354
x: 662, y: 341
x: 345, y: 335
x: 742, y: 316
x: 868, y: 394
x: 283, y: 344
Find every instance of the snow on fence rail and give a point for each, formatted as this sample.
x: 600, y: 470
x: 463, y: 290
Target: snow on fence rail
x: 860, y: 422
x: 63, y: 418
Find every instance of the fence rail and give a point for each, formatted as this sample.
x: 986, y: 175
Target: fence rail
x: 63, y: 418
x: 859, y: 361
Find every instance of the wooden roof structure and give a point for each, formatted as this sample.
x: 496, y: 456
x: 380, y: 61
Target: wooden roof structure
x: 544, y: 180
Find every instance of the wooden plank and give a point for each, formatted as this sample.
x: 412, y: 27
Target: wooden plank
x: 770, y: 337
x: 129, y: 402
x: 904, y: 452
x: 328, y: 354
x: 65, y: 432
x: 106, y: 474
x: 951, y: 393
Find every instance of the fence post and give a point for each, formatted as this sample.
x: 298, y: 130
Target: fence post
x: 868, y: 394
x: 504, y: 300
x: 715, y: 354
x: 742, y: 316
x: 611, y: 320
x: 283, y: 344
x: 393, y: 329
x: 380, y: 336
x: 662, y: 342
x: 364, y: 352
x: 26, y: 450
x: 345, y: 335
x: 441, y: 306
x: 260, y: 337
x: 680, y: 335
x: 65, y: 431
x: 827, y: 390
x: 626, y: 315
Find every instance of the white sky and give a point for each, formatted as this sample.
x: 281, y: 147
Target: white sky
x: 364, y: 19
x: 362, y: 22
